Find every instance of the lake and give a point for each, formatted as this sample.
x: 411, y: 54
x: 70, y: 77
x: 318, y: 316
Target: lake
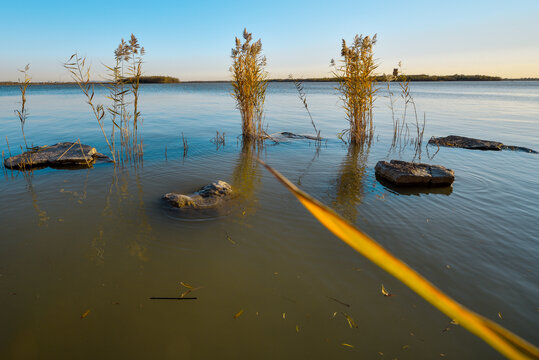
x: 103, y: 240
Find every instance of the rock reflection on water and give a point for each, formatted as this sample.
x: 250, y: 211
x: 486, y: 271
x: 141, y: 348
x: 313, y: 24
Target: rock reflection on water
x: 415, y: 190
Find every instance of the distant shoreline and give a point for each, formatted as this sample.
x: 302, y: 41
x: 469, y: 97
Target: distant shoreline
x: 172, y: 80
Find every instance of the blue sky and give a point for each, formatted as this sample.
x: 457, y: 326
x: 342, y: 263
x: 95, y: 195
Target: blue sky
x: 192, y: 40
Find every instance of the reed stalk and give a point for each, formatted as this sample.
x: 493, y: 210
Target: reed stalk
x: 123, y: 80
x: 401, y: 128
x: 357, y: 86
x: 185, y: 146
x: 80, y: 73
x: 22, y: 114
x: 218, y: 140
x: 303, y: 97
x: 249, y: 83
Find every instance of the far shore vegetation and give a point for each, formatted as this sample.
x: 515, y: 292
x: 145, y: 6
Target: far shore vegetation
x: 380, y: 78
x: 154, y: 79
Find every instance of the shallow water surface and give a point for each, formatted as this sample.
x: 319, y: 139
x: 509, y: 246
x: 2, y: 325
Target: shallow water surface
x: 102, y: 240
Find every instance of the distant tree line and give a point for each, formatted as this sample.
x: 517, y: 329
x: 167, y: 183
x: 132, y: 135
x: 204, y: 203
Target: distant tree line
x: 143, y: 80
x: 420, y: 77
x: 159, y: 80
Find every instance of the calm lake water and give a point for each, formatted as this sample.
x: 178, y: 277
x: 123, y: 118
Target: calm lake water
x: 101, y: 239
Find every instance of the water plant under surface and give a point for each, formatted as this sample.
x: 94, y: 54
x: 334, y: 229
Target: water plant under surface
x: 249, y: 83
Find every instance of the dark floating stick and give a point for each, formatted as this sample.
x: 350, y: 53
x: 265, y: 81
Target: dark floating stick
x: 340, y: 302
x: 173, y: 298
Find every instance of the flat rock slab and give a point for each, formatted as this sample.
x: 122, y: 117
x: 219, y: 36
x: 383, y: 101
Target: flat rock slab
x: 475, y: 144
x: 65, y: 154
x: 404, y: 173
x: 210, y: 196
x: 285, y: 135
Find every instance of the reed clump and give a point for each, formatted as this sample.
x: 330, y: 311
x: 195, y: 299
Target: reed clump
x: 249, y: 83
x: 357, y: 86
x: 124, y: 91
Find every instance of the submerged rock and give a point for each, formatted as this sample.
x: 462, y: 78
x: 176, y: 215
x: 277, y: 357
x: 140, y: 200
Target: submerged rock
x: 284, y: 135
x: 475, y: 144
x: 210, y: 196
x: 65, y: 154
x: 404, y: 173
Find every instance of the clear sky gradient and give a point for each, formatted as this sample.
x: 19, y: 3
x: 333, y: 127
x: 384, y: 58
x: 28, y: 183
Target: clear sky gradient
x: 192, y: 39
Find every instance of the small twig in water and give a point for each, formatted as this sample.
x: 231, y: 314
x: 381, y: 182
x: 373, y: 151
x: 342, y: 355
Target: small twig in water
x: 173, y: 298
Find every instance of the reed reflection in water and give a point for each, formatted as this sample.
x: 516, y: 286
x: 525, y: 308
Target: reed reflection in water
x: 246, y: 176
x: 350, y: 183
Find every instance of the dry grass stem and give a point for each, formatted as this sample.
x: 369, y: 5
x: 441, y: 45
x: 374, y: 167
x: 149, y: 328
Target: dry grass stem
x: 22, y: 114
x: 123, y: 83
x: 218, y: 140
x: 401, y: 129
x: 303, y: 97
x: 185, y: 146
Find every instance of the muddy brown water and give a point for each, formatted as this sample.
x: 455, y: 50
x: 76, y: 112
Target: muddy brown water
x: 102, y: 239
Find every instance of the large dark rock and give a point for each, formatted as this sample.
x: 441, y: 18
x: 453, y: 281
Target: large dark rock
x: 210, y: 196
x: 65, y: 154
x: 475, y: 144
x: 285, y: 135
x: 404, y: 173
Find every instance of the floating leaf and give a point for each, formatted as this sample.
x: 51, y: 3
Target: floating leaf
x: 405, y: 347
x: 238, y: 314
x: 186, y: 285
x: 351, y: 321
x: 230, y: 239
x: 297, y: 328
x: 348, y: 345
x: 500, y: 315
x: 384, y: 291
x: 183, y: 294
x: 284, y: 316
x: 85, y: 314
x: 501, y: 339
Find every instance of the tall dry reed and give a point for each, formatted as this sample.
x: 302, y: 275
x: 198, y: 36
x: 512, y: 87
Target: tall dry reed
x: 402, y: 135
x: 22, y: 114
x: 249, y: 83
x: 123, y: 83
x: 303, y: 97
x: 357, y: 86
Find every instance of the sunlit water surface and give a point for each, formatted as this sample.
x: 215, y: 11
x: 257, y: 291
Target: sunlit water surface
x: 101, y: 239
